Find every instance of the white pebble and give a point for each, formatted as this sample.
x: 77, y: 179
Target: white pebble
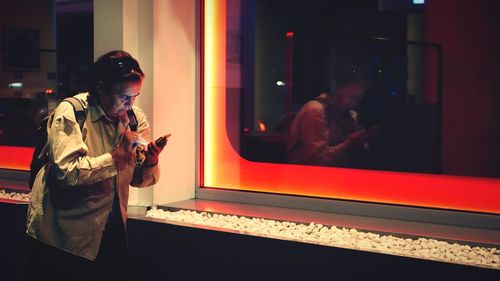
x: 16, y: 196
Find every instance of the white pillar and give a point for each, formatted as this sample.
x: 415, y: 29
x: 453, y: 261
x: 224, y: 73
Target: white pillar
x: 161, y: 35
x: 175, y: 97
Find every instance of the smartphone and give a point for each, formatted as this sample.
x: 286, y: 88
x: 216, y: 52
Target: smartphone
x: 162, y: 141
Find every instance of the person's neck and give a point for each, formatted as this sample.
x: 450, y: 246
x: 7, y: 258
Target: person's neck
x: 110, y: 117
x: 335, y: 105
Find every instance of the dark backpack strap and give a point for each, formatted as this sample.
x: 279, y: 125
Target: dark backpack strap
x: 132, y: 119
x: 80, y: 112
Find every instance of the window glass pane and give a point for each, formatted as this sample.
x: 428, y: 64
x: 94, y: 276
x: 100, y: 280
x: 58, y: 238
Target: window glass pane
x: 46, y: 52
x: 348, y: 84
x: 395, y: 120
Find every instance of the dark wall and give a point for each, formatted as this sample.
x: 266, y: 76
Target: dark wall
x: 161, y: 251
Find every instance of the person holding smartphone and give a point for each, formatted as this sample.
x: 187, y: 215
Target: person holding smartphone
x: 78, y: 212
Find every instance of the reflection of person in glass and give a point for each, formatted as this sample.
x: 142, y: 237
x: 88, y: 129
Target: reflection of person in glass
x: 325, y: 131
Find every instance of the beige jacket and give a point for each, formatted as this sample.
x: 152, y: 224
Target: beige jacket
x: 315, y: 141
x: 70, y: 212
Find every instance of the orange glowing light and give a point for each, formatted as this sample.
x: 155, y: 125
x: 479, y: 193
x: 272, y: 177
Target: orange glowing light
x: 225, y: 168
x: 262, y: 126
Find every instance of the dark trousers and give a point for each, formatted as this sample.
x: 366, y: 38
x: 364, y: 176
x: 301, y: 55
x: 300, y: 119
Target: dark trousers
x: 45, y: 262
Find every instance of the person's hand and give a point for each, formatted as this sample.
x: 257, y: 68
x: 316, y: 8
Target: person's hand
x: 356, y: 139
x: 124, y: 153
x: 153, y: 153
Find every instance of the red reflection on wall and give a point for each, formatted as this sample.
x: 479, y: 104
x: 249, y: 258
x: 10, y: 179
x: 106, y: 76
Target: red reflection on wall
x: 225, y: 168
x: 470, y: 83
x: 15, y: 158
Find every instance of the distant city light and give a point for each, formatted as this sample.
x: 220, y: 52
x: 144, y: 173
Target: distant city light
x: 16, y: 85
x: 262, y: 126
x: 49, y: 91
x: 280, y: 83
x: 418, y: 1
x: 289, y: 34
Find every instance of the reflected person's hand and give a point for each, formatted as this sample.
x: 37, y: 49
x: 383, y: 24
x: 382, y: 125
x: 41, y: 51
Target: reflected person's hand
x: 356, y: 139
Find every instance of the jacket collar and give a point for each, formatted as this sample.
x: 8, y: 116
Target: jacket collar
x: 97, y: 113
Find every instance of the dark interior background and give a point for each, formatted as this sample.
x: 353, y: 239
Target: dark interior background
x: 443, y: 123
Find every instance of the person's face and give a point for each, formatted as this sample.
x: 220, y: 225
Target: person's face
x: 348, y: 96
x: 119, y: 98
